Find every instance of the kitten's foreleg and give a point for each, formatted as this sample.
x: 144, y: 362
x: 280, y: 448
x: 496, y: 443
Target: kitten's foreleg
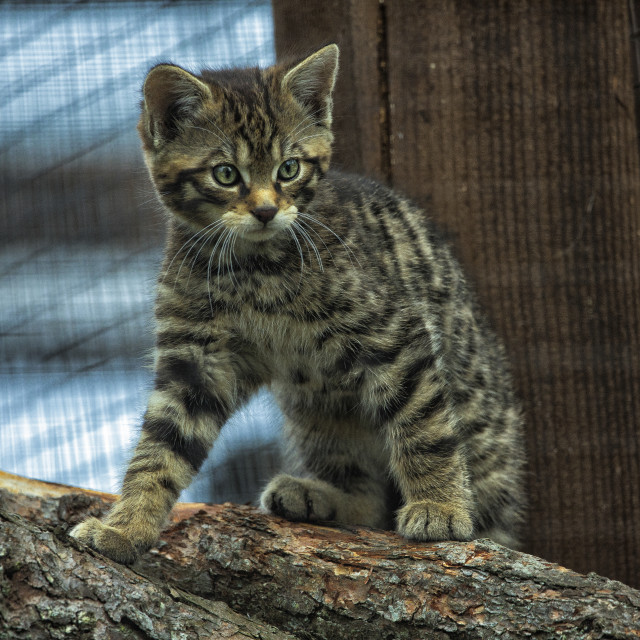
x: 192, y: 399
x: 429, y: 467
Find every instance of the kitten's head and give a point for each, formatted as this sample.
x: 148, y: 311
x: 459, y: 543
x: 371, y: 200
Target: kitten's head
x: 240, y: 149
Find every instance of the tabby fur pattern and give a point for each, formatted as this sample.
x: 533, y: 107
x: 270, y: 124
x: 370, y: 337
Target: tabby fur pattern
x: 332, y: 290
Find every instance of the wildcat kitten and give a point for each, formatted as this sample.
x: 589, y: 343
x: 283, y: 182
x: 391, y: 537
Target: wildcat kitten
x: 332, y: 290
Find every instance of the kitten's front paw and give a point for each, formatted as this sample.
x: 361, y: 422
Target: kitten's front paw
x: 427, y: 520
x: 298, y: 499
x: 107, y: 540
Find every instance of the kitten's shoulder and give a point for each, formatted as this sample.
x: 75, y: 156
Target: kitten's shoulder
x: 352, y: 190
x: 352, y: 185
x: 352, y: 194
x: 343, y: 188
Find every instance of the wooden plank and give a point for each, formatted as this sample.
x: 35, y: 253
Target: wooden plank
x: 515, y: 123
x: 301, y: 27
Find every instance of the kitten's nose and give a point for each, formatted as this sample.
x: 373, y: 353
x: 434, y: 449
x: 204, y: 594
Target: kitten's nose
x: 265, y: 214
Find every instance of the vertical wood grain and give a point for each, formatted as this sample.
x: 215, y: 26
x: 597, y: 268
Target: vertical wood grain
x: 359, y: 127
x: 513, y: 123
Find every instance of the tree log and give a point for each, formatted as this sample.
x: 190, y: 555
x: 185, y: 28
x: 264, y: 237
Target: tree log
x: 231, y: 571
x: 51, y: 589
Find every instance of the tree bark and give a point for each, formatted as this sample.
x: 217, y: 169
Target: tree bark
x: 53, y: 589
x: 230, y: 571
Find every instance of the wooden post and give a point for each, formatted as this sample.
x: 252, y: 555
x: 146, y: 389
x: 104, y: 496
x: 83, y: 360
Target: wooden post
x: 514, y: 124
x: 359, y: 114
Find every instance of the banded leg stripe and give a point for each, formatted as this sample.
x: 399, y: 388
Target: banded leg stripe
x: 193, y: 450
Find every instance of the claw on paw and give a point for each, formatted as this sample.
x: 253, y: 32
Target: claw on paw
x: 107, y: 540
x: 427, y: 520
x: 298, y: 499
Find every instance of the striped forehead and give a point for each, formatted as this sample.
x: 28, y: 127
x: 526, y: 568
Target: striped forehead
x: 250, y: 113
x: 253, y: 136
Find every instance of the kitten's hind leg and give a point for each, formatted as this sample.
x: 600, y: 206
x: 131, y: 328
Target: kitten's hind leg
x: 332, y: 483
x: 314, y: 500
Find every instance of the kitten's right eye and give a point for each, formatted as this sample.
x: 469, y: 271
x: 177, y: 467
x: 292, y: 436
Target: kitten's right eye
x: 289, y: 169
x: 226, y: 174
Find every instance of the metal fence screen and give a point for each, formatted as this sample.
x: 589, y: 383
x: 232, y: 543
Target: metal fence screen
x: 81, y: 235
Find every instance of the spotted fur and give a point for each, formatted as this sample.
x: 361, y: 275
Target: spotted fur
x: 332, y: 290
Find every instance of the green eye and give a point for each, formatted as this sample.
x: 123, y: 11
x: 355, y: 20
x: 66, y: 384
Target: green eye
x: 226, y: 174
x: 289, y: 169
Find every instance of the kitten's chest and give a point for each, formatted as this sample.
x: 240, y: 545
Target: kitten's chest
x: 301, y: 337
x: 301, y: 323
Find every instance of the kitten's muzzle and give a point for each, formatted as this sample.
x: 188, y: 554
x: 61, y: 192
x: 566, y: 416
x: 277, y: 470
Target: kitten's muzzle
x: 265, y: 214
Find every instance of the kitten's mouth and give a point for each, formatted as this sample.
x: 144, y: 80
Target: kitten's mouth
x: 270, y: 229
x: 261, y: 234
x: 253, y: 231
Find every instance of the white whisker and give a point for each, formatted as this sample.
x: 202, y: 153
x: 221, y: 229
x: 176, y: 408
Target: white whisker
x: 304, y: 121
x: 309, y: 242
x: 312, y: 230
x: 233, y: 252
x: 225, y: 143
x: 204, y: 240
x: 295, y: 239
x: 224, y: 237
x: 299, y: 140
x: 296, y: 227
x: 224, y: 135
x: 299, y: 131
x: 211, y: 255
x: 350, y: 253
x: 193, y: 240
x: 228, y: 258
x: 196, y: 239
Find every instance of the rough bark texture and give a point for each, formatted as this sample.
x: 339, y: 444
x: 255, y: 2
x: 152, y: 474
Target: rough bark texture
x: 52, y: 589
x: 513, y: 122
x: 278, y: 579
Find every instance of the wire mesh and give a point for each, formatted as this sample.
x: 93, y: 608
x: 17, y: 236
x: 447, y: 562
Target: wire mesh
x: 80, y: 235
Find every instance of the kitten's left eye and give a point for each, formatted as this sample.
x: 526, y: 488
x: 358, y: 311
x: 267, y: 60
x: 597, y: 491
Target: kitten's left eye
x: 289, y: 169
x: 226, y: 174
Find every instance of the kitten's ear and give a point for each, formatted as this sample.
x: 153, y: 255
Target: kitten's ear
x: 172, y: 97
x: 311, y: 81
